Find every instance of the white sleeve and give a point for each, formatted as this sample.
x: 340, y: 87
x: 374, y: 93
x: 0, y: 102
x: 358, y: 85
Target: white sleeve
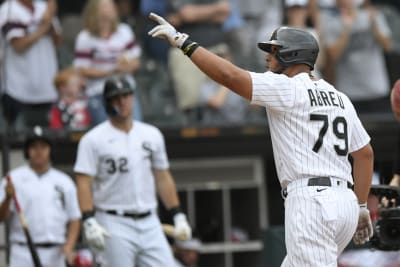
x: 86, y: 160
x: 160, y: 158
x: 73, y: 210
x: 11, y: 25
x: 132, y: 48
x: 359, y: 136
x: 83, y: 50
x: 273, y: 91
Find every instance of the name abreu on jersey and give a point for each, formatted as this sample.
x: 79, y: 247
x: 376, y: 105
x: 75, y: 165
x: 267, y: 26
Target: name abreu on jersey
x: 325, y: 98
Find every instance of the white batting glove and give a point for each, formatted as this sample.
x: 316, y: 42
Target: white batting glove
x: 364, y: 229
x: 182, y: 228
x: 166, y: 31
x: 95, y: 234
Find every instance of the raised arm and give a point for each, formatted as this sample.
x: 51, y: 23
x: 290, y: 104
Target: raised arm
x: 220, y: 70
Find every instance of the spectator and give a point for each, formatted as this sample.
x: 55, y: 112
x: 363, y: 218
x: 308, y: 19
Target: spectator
x: 356, y: 39
x: 186, y: 252
x: 30, y: 30
x: 297, y: 14
x: 203, y: 21
x: 154, y: 49
x: 49, y: 201
x: 70, y: 111
x: 105, y: 48
x: 220, y: 105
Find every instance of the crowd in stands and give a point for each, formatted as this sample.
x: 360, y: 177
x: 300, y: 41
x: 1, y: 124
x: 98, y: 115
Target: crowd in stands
x: 55, y: 57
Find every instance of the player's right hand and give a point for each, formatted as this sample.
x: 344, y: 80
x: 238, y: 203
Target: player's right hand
x: 364, y: 228
x: 95, y: 234
x: 166, y: 31
x: 10, y: 190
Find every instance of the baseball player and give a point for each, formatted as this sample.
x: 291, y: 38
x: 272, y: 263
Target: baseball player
x: 121, y: 164
x: 314, y: 128
x: 49, y: 201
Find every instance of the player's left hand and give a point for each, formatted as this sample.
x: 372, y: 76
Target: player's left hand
x: 166, y: 31
x: 364, y: 228
x: 182, y: 228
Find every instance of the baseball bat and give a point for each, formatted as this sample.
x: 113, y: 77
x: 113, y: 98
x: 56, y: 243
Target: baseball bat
x: 31, y: 246
x: 169, y: 230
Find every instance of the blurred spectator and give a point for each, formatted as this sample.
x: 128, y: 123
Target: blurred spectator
x: 220, y: 106
x: 202, y: 20
x: 297, y: 14
x: 31, y: 30
x: 154, y: 48
x: 70, y: 111
x: 235, y: 36
x: 356, y: 39
x: 395, y: 103
x: 105, y: 48
x: 186, y: 252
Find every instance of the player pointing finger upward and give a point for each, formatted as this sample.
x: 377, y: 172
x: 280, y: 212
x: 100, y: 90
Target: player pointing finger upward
x: 314, y: 128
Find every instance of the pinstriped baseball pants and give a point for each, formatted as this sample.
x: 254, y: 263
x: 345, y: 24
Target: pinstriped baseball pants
x: 319, y: 223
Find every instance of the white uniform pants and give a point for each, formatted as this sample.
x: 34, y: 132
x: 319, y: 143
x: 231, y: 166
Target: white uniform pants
x: 320, y: 221
x: 134, y: 242
x: 49, y: 257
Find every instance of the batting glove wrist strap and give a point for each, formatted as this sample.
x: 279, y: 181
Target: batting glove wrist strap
x: 364, y: 205
x: 173, y: 211
x: 87, y: 214
x: 188, y: 47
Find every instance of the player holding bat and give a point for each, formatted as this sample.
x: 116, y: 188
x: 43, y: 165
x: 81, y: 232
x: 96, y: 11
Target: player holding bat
x: 43, y: 199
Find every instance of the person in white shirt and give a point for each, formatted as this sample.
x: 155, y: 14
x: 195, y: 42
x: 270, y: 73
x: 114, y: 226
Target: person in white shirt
x: 121, y: 166
x: 105, y: 48
x: 48, y: 199
x: 31, y: 32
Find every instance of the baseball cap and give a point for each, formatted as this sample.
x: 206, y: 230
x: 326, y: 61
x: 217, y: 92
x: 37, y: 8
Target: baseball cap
x: 192, y: 244
x: 292, y: 3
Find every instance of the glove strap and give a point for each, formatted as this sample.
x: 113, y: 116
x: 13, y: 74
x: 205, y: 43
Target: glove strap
x: 173, y: 211
x: 364, y: 205
x: 188, y: 47
x: 87, y: 214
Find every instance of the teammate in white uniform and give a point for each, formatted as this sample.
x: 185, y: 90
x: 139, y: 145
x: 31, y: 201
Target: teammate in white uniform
x: 313, y: 129
x: 49, y: 201
x: 121, y: 164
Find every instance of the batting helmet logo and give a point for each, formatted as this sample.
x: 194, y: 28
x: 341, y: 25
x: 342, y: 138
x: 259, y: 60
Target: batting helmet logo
x: 115, y: 87
x: 36, y: 134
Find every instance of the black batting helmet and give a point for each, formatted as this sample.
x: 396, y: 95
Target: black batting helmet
x: 297, y: 46
x: 35, y: 134
x: 115, y: 87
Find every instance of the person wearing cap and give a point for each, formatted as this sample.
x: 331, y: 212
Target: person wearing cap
x: 121, y: 166
x: 48, y: 199
x: 186, y: 252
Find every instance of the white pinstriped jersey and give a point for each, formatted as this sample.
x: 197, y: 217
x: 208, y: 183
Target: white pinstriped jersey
x: 94, y: 52
x: 121, y: 164
x: 313, y: 126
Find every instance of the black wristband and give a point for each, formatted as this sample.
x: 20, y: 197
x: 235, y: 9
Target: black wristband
x: 173, y: 211
x: 188, y: 47
x: 87, y: 214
